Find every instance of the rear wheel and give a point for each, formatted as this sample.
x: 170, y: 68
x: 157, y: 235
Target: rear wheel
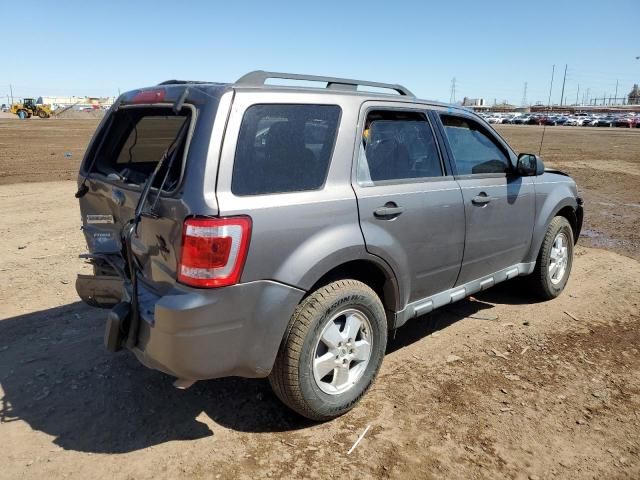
x: 555, y: 259
x: 332, y: 351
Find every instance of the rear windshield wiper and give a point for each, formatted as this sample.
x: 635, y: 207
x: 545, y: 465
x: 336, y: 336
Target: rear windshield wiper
x: 170, y: 153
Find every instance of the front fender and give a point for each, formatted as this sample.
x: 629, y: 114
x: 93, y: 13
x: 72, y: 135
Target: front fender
x: 551, y: 197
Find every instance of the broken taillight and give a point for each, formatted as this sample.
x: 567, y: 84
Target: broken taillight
x: 213, y: 251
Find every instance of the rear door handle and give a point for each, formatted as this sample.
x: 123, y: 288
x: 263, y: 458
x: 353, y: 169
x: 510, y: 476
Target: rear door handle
x: 481, y: 199
x: 388, y: 212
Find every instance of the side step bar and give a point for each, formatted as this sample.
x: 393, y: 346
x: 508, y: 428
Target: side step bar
x: 426, y: 305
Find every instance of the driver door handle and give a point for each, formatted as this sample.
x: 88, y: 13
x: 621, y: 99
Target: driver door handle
x: 481, y: 199
x: 388, y: 212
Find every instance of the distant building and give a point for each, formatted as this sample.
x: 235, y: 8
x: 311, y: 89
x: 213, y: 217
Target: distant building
x: 80, y: 102
x: 472, y: 102
x: 634, y: 95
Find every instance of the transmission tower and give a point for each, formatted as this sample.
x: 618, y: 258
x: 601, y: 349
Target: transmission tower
x: 452, y: 98
x: 524, y: 95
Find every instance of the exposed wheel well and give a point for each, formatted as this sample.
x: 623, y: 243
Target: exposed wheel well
x: 570, y: 214
x: 366, y: 272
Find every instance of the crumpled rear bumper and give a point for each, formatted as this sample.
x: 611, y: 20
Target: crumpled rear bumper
x: 102, y: 291
x: 200, y: 334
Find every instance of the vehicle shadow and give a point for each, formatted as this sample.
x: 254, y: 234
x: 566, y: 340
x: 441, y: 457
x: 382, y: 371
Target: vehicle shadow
x: 478, y: 306
x: 57, y: 376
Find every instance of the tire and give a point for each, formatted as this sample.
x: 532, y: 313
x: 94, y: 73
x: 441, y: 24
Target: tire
x: 42, y: 114
x: 546, y: 282
x: 319, y: 316
x: 22, y: 114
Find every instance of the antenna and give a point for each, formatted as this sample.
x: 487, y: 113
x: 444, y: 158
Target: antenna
x: 553, y: 71
x: 452, y: 97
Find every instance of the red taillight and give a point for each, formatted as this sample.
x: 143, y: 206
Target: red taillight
x: 213, y: 251
x: 149, y: 96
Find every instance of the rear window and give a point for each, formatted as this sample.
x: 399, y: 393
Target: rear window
x: 284, y: 148
x: 136, y: 140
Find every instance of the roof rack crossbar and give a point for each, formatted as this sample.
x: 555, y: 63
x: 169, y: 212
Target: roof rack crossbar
x: 258, y: 78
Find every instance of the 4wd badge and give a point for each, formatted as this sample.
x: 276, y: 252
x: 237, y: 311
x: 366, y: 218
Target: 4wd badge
x: 93, y: 219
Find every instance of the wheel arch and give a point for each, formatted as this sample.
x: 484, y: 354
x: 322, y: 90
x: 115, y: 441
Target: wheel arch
x: 566, y: 207
x: 574, y: 217
x: 372, y: 272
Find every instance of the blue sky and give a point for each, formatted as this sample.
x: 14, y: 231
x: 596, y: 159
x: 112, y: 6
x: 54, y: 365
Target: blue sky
x: 491, y: 48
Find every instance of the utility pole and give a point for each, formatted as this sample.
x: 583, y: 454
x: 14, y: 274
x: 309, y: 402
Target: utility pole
x: 553, y: 71
x: 588, y: 97
x: 615, y: 97
x: 577, y: 93
x: 524, y: 95
x: 563, y: 82
x: 452, y: 97
x: 11, y: 90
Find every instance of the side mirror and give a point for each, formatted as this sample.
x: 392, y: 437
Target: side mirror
x: 529, y: 165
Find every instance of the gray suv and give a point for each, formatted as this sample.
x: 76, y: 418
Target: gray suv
x: 283, y: 230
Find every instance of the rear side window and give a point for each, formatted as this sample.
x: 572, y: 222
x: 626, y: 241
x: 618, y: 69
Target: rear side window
x: 474, y: 150
x: 284, y: 148
x: 136, y: 139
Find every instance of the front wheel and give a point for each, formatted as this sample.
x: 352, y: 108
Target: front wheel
x: 332, y: 350
x: 555, y: 259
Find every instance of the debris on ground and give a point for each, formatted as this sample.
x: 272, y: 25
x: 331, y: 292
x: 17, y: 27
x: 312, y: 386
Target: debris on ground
x: 571, y: 315
x: 496, y: 353
x: 359, y: 439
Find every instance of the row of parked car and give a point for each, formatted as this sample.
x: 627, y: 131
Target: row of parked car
x: 578, y: 119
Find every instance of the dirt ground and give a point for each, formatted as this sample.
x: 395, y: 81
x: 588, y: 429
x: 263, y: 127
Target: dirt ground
x: 494, y: 387
x: 36, y: 150
x: 605, y: 162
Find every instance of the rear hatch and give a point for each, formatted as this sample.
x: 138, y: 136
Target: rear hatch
x: 144, y: 127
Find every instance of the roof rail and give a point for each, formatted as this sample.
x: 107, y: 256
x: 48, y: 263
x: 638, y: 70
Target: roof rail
x: 259, y: 77
x: 179, y: 82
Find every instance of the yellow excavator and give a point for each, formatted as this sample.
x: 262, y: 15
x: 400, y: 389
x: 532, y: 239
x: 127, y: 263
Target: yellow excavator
x: 29, y: 108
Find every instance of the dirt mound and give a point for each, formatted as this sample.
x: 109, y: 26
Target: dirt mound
x: 80, y: 114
